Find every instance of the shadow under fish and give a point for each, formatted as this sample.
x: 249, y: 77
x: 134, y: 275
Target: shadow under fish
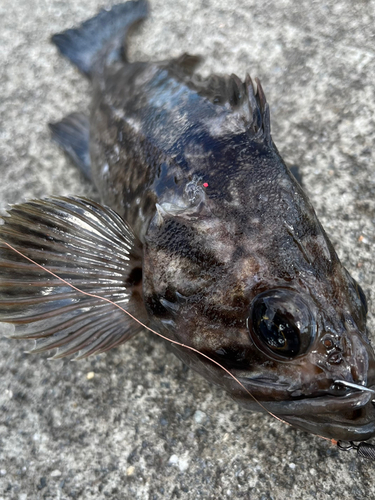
x: 209, y: 240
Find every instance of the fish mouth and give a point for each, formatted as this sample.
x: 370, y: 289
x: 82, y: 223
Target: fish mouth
x: 324, y: 404
x: 348, y: 417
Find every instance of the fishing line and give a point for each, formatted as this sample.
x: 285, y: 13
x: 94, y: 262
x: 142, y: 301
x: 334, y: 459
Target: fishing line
x: 156, y: 333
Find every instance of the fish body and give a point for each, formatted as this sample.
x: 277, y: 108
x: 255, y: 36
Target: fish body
x: 209, y: 240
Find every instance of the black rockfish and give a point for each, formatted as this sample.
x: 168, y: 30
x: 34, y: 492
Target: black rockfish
x: 209, y: 240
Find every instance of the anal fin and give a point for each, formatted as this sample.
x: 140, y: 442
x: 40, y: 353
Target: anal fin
x: 90, y: 247
x: 72, y: 134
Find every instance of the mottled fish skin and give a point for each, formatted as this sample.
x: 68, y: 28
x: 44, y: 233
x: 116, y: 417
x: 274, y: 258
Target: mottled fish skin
x: 159, y: 137
x: 224, y: 226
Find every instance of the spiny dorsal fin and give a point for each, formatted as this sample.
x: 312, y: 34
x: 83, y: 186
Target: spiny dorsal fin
x: 89, y: 246
x: 246, y: 99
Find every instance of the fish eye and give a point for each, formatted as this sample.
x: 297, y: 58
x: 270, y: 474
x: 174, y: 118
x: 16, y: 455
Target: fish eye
x: 281, y: 324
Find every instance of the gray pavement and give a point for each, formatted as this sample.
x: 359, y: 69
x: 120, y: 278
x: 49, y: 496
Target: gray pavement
x: 135, y: 423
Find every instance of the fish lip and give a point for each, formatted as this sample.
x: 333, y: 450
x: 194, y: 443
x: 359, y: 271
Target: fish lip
x: 322, y: 404
x: 348, y: 418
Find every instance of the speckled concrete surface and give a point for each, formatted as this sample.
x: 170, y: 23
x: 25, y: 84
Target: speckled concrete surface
x: 145, y: 427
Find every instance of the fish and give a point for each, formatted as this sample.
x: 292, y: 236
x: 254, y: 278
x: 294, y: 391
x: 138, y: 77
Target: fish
x: 203, y: 234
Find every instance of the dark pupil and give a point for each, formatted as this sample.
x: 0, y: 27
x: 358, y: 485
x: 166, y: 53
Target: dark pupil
x: 277, y: 331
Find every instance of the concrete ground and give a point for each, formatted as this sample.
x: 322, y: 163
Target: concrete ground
x: 144, y: 426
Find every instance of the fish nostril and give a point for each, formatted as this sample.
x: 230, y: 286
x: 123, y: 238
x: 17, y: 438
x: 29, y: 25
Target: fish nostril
x: 335, y: 347
x: 331, y: 344
x: 335, y: 358
x: 327, y: 342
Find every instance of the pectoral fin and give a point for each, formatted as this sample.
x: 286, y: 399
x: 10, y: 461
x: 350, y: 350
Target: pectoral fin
x: 90, y: 247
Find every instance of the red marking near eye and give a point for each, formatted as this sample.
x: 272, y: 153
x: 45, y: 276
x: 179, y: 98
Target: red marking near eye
x: 205, y: 184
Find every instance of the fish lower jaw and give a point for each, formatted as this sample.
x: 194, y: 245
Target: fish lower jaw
x: 326, y: 404
x: 346, y: 430
x: 349, y: 418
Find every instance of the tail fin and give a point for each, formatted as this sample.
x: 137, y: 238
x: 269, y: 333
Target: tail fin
x: 102, y: 38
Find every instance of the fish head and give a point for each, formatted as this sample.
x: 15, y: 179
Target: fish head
x: 289, y: 325
x: 319, y: 360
